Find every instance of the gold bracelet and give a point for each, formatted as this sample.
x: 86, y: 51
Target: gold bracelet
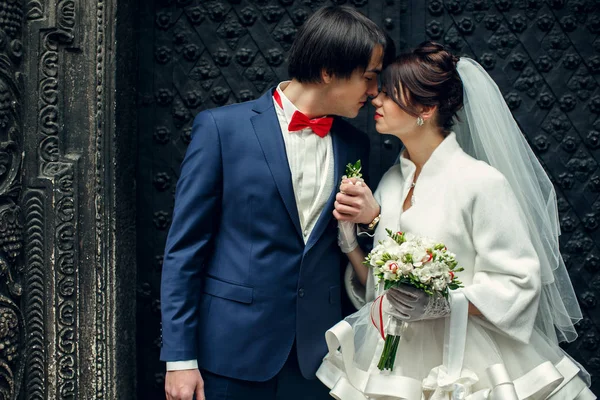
x: 374, y: 222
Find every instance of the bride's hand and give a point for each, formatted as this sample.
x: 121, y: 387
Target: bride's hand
x: 347, y: 236
x: 411, y: 304
x: 347, y: 229
x: 355, y: 202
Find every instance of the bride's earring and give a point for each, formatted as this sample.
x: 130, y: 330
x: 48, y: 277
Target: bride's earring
x: 420, y: 121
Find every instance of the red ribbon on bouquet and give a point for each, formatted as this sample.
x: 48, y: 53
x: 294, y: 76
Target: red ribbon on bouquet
x: 380, y: 327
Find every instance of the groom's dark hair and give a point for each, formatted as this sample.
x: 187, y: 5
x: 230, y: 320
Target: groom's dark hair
x: 337, y: 39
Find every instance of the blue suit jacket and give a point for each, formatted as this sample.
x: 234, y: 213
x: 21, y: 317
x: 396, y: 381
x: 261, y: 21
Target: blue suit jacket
x: 238, y: 282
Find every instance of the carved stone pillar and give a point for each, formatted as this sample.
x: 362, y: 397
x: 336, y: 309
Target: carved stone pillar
x: 71, y: 332
x: 12, y: 320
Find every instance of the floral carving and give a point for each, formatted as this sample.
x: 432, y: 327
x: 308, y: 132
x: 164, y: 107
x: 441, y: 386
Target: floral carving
x: 594, y: 64
x: 453, y: 6
x: 492, y: 22
x: 216, y: 11
x: 435, y: 29
x: 466, y: 26
x: 503, y: 41
x: 191, y: 52
x: 195, y: 15
x: 571, y: 61
x: 513, y: 100
x: 541, y: 143
x: 435, y: 7
x: 518, y: 23
x: 162, y: 55
x: 518, y: 61
x: 582, y: 84
x: 529, y: 82
x: 273, y: 13
x: 274, y: 57
x: 162, y: 220
x: 164, y: 97
x: 162, y: 181
x: 285, y: 34
x: 245, y: 95
x: 567, y: 102
x: 594, y: 104
x: 503, y: 5
x: 299, y: 16
x: 219, y: 95
x: 248, y: 16
x: 569, y: 144
x: 162, y: 134
x: 544, y: 63
x: 186, y: 135
x: 192, y: 99
x: 545, y: 101
x: 222, y: 57
x: 545, y: 23
x: 568, y: 23
x: 593, y: 24
x: 163, y: 20
x: 592, y: 140
x: 244, y: 56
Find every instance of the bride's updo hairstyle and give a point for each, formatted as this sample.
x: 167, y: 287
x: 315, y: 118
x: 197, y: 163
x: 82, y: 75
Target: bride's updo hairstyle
x: 426, y: 77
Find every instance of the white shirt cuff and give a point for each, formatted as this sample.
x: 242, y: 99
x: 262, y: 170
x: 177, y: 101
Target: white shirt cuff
x: 181, y: 365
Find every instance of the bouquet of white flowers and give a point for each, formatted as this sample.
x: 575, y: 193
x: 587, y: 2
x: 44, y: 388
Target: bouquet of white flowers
x: 407, y: 259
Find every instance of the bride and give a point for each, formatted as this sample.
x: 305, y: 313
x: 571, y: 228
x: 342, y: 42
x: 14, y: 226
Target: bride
x: 472, y: 182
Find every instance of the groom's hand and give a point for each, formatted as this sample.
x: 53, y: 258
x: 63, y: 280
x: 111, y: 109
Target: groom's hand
x: 355, y: 202
x: 183, y: 384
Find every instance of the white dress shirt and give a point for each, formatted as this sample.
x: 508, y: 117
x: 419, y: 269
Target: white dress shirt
x: 311, y: 162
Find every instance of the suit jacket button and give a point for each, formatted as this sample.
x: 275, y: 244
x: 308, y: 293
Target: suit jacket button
x: 301, y: 293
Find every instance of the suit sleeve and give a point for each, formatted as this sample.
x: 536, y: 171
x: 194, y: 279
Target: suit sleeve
x: 506, y: 282
x: 195, y: 220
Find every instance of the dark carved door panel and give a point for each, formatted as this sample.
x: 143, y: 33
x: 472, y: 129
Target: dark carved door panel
x: 545, y: 56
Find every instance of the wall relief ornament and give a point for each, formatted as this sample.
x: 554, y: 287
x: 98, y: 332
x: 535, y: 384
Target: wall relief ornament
x: 12, y: 321
x: 67, y: 292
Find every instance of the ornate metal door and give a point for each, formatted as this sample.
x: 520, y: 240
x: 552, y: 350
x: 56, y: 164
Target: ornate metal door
x: 544, y: 55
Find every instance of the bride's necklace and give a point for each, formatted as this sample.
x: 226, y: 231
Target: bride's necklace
x: 412, y: 196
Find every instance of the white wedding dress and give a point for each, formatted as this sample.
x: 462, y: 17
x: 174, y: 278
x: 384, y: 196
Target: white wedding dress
x: 470, y: 207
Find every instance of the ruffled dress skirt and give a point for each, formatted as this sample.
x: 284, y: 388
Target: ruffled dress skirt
x: 494, y: 366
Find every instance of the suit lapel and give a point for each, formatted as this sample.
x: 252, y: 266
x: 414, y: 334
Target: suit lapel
x: 268, y: 131
x: 340, y: 150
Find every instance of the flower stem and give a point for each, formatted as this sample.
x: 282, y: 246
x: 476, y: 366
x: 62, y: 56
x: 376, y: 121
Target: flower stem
x: 388, y: 355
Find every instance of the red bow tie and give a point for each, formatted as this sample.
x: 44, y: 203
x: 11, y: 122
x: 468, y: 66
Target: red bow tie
x: 320, y: 126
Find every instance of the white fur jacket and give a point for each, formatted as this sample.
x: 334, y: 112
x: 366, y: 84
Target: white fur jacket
x: 471, y: 208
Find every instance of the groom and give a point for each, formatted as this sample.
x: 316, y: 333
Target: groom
x: 251, y: 277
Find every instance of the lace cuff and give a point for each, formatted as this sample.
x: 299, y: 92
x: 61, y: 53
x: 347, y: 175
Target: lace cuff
x: 355, y: 290
x: 438, y: 307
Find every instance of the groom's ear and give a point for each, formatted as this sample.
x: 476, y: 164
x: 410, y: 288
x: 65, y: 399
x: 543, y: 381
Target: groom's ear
x: 326, y: 76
